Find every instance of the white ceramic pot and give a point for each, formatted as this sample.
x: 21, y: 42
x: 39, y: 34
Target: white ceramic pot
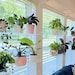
x: 17, y: 29
x: 57, y: 32
x: 53, y: 52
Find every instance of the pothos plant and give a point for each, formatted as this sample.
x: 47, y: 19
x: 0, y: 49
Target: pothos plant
x: 17, y: 20
x: 56, y: 24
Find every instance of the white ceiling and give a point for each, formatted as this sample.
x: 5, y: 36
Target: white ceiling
x: 66, y: 7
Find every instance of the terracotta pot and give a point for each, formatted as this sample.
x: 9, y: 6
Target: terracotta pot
x: 30, y: 28
x: 2, y: 26
x: 20, y: 61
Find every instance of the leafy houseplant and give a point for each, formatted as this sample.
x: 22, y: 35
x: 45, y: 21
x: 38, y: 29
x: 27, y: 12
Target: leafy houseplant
x: 32, y: 20
x: 15, y: 20
x: 57, y: 26
x: 5, y: 58
x: 54, y: 48
x: 58, y: 48
x: 21, y: 59
x: 63, y: 46
x: 28, y: 42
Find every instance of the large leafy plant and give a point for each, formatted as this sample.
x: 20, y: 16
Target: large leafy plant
x: 5, y: 58
x: 56, y: 24
x: 17, y: 20
x: 28, y: 43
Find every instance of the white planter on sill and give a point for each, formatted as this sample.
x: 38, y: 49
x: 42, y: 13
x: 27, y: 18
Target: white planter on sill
x: 53, y: 52
x: 57, y: 32
x: 17, y: 29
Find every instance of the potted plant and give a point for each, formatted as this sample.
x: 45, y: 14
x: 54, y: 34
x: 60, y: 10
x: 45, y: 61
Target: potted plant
x: 32, y: 21
x: 4, y: 59
x: 58, y: 48
x: 54, y: 47
x: 63, y: 46
x: 57, y: 27
x: 17, y: 22
x: 29, y: 43
x: 21, y: 58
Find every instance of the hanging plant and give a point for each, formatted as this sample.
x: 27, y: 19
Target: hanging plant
x: 55, y: 24
x: 20, y: 21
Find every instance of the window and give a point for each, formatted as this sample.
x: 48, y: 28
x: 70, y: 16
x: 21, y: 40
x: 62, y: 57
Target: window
x: 48, y: 38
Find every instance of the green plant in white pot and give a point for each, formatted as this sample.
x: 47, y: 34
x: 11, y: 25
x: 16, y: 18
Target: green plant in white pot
x: 57, y: 27
x: 32, y: 21
x: 54, y: 47
x: 17, y: 22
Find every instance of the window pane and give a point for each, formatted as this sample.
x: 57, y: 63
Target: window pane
x: 48, y: 38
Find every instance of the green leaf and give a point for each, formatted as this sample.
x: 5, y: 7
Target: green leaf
x: 26, y: 41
